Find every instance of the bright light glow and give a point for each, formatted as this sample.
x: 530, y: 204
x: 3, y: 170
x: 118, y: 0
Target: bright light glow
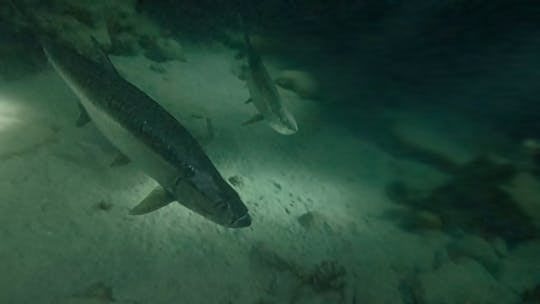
x: 20, y: 132
x: 10, y: 114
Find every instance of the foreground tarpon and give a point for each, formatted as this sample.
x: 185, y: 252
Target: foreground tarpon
x: 265, y: 96
x: 148, y: 136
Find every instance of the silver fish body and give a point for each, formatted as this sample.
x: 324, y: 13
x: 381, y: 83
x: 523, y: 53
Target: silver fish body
x: 149, y: 136
x: 265, y: 96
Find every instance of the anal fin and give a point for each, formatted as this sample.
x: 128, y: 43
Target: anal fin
x: 83, y: 116
x: 120, y: 160
x: 258, y: 117
x: 158, y: 198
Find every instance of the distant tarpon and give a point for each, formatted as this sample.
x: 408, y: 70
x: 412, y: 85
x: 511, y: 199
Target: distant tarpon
x: 265, y: 96
x: 148, y: 136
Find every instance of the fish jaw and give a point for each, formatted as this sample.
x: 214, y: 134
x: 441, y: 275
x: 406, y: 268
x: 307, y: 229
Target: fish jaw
x: 242, y: 222
x: 223, y: 207
x: 283, y: 123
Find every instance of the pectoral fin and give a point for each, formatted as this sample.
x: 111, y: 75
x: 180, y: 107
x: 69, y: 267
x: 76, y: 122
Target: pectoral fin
x: 120, y: 160
x: 248, y: 101
x: 83, y: 117
x: 209, y: 130
x: 258, y: 117
x: 158, y: 198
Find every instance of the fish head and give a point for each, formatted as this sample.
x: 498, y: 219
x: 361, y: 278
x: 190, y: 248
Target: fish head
x: 212, y: 197
x: 284, y: 123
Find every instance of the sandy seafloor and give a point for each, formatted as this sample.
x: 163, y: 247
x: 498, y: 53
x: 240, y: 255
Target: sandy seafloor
x: 55, y: 241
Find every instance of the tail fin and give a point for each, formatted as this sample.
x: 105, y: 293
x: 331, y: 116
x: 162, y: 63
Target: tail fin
x: 247, y: 40
x: 245, y: 29
x: 25, y: 13
x: 35, y: 26
x: 250, y: 51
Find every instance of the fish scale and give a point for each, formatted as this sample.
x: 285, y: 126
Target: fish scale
x: 150, y: 137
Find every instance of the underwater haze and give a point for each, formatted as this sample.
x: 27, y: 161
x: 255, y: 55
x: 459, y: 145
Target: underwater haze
x: 270, y: 152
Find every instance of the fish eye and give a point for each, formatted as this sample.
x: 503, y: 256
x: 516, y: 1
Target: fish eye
x: 222, y: 205
x: 190, y: 171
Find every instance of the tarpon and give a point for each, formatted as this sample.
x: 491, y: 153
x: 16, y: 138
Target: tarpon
x: 264, y: 95
x: 148, y: 136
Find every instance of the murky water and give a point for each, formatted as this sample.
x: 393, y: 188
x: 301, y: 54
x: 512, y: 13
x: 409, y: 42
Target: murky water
x: 411, y: 173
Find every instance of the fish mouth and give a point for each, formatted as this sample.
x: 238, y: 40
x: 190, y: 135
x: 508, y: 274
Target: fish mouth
x: 287, y: 131
x: 241, y: 222
x: 284, y: 128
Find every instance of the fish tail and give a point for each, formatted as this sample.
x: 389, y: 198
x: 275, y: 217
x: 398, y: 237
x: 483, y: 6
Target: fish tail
x: 250, y: 51
x: 28, y: 16
x: 35, y: 26
x: 245, y: 29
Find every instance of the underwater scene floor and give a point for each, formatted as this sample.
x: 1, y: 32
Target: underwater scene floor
x: 329, y: 223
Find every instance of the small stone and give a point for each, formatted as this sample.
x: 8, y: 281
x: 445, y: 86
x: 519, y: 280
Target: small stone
x: 411, y: 290
x: 428, y: 220
x: 464, y: 281
x: 500, y: 247
x: 440, y: 257
x: 416, y: 220
x: 105, y: 206
x: 164, y: 49
x: 236, y: 181
x: 328, y: 275
x: 82, y: 14
x: 525, y: 190
x: 475, y: 248
x: 315, y: 220
x: 98, y: 291
x: 306, y: 219
x: 532, y: 145
x: 300, y: 82
x: 124, y: 44
x: 532, y: 295
x: 157, y: 68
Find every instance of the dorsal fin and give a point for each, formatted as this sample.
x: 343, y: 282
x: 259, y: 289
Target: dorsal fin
x: 25, y: 13
x: 29, y: 17
x: 101, y: 57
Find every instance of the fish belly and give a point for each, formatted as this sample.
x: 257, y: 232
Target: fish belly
x: 151, y: 162
x: 258, y: 98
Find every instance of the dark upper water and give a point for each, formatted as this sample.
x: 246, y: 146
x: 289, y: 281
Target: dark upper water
x: 414, y: 176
